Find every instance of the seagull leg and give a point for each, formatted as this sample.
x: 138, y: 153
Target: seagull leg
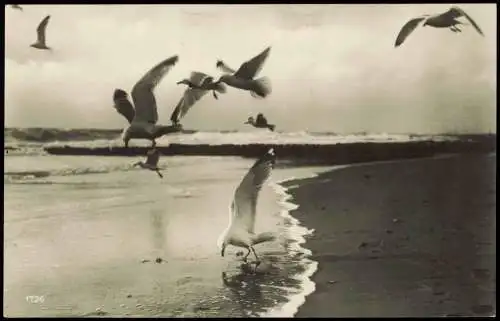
x: 246, y: 256
x: 153, y: 143
x: 159, y: 174
x: 215, y: 95
x: 256, y: 257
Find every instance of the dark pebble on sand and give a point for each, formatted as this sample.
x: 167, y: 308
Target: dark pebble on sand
x: 129, y: 296
x: 159, y: 260
x: 388, y: 231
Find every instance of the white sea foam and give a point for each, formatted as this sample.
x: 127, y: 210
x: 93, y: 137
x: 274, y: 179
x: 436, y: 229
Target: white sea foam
x: 298, y: 233
x: 259, y: 137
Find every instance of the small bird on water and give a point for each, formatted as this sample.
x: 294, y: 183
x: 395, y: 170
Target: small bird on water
x: 244, y: 77
x: 144, y: 117
x: 41, y: 31
x: 153, y: 156
x: 260, y: 122
x: 447, y: 19
x: 240, y: 232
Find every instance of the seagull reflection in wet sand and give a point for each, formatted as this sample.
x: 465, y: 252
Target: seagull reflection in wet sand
x: 246, y: 288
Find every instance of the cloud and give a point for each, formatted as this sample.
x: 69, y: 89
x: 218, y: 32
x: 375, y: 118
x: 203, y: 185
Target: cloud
x: 332, y: 67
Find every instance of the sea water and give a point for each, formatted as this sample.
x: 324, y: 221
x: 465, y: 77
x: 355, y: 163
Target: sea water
x: 84, y: 234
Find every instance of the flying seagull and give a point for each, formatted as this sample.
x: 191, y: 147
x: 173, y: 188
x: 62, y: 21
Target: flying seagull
x: 40, y: 32
x: 244, y: 77
x: 447, y: 19
x: 16, y: 6
x: 240, y: 232
x: 144, y: 116
x: 260, y: 122
x: 151, y: 163
x: 198, y: 85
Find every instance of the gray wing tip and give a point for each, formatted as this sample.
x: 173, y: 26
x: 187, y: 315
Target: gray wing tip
x: 119, y: 93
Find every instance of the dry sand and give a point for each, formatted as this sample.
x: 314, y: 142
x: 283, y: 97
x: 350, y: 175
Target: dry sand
x: 404, y: 238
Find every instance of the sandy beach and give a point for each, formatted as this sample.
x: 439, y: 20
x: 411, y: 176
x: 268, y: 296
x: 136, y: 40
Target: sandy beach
x: 402, y: 238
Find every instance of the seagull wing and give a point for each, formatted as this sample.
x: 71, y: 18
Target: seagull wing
x: 40, y: 31
x: 252, y: 67
x: 123, y: 106
x: 197, y: 78
x: 408, y: 28
x: 225, y: 68
x: 456, y: 12
x: 190, y: 97
x: 245, y: 198
x: 143, y: 95
x: 152, y: 157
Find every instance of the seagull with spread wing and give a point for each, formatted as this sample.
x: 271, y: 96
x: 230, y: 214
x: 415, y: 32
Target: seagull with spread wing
x: 198, y: 85
x: 244, y: 77
x: 41, y: 31
x: 260, y: 122
x: 153, y: 156
x: 240, y: 232
x: 447, y: 19
x: 144, y: 116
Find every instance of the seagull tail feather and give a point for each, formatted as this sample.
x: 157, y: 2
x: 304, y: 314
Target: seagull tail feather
x: 262, y: 87
x: 271, y: 127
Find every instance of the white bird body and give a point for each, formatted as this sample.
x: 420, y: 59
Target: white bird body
x: 143, y: 114
x: 240, y: 232
x: 244, y: 77
x: 198, y: 85
x: 447, y: 19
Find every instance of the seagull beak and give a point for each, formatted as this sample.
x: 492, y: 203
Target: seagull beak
x: 222, y: 250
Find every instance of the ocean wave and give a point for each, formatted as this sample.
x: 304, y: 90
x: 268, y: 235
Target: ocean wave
x: 16, y: 137
x: 30, y: 176
x: 297, y: 234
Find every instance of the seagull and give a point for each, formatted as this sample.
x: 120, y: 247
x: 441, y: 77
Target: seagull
x: 198, y: 85
x: 260, y: 122
x: 443, y: 20
x: 40, y: 32
x: 240, y: 232
x: 244, y: 77
x: 16, y: 6
x: 151, y: 163
x: 143, y: 118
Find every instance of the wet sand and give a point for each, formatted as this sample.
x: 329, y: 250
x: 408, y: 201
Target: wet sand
x: 403, y: 238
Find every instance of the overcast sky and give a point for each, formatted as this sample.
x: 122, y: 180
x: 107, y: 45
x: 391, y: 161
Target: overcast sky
x: 332, y: 67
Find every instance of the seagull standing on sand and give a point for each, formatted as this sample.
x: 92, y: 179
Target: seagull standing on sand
x: 244, y: 77
x: 40, y: 33
x: 447, y: 19
x: 143, y: 118
x: 240, y: 231
x: 260, y: 122
x: 151, y: 163
x: 16, y: 6
x: 198, y: 85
